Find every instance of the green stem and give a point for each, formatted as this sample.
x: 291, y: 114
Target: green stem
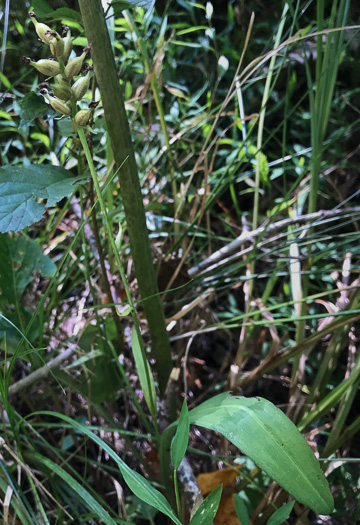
x: 88, y: 156
x: 119, y: 133
x: 177, y: 495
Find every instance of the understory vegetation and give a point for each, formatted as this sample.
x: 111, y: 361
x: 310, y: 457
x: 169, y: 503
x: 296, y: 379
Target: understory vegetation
x: 179, y: 234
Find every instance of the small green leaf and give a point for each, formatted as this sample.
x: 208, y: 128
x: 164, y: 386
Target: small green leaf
x: 208, y: 508
x: 20, y: 186
x: 144, y: 372
x: 281, y: 514
x: 241, y: 510
x: 180, y: 441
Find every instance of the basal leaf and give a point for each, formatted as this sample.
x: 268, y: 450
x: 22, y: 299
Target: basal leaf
x: 20, y: 186
x: 272, y: 441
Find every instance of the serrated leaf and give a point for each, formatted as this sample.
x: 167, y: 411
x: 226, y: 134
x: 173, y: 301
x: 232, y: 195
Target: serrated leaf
x: 20, y: 257
x: 32, y: 106
x: 208, y: 508
x: 180, y: 441
x: 272, y: 441
x: 20, y: 186
x: 241, y: 510
x: 281, y: 514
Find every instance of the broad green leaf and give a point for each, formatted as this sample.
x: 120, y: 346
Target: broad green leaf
x: 41, y: 8
x: 122, y: 5
x: 272, y: 441
x: 20, y: 186
x: 180, y: 441
x: 20, y: 257
x: 79, y: 489
x: 281, y: 514
x: 241, y: 510
x: 208, y: 508
x: 144, y: 372
x: 137, y: 483
x: 32, y: 106
x: 63, y: 13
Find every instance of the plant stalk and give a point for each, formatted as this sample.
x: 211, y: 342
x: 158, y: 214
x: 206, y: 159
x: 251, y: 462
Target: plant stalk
x: 119, y: 133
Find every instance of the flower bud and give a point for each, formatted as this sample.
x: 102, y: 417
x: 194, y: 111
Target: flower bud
x: 41, y: 29
x: 58, y: 105
x: 82, y: 117
x: 81, y: 86
x: 56, y: 43
x: 68, y: 45
x: 47, y: 67
x: 62, y: 90
x: 73, y: 67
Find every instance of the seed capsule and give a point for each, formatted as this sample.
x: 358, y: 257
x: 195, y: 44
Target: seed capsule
x: 41, y: 29
x: 56, y: 43
x: 68, y: 45
x: 47, y: 67
x: 82, y: 117
x: 73, y: 67
x: 58, y: 105
x: 81, y: 86
x: 62, y: 90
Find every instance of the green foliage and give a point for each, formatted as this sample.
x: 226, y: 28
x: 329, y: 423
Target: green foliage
x: 20, y: 186
x: 31, y: 107
x: 290, y: 288
x: 208, y: 508
x: 241, y: 510
x: 20, y: 257
x: 281, y: 514
x: 180, y: 441
x: 272, y: 441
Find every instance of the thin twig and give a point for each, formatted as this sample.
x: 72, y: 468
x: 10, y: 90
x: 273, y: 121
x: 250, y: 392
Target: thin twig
x: 250, y: 236
x: 41, y: 372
